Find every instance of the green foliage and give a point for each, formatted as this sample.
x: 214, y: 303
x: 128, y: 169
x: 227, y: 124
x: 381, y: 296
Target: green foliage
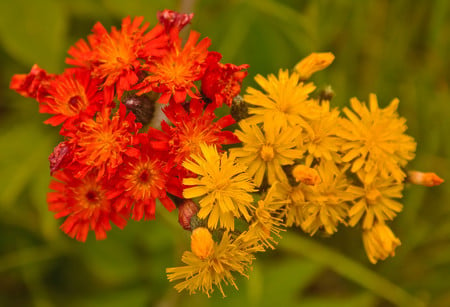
x: 393, y: 48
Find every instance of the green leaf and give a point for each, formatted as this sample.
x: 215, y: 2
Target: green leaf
x: 34, y: 31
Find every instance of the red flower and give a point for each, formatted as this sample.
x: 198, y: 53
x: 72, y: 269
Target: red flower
x: 34, y: 84
x: 70, y: 94
x: 175, y: 73
x: 102, y: 142
x: 85, y: 203
x: 222, y: 82
x: 194, y: 128
x: 144, y: 179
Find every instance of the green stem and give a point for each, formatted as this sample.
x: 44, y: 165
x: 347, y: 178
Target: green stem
x: 348, y: 268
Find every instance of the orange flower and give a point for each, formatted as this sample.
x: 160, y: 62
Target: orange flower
x: 70, y: 94
x: 145, y: 179
x: 194, y: 128
x: 114, y: 57
x: 175, y: 73
x: 102, y: 142
x: 85, y: 203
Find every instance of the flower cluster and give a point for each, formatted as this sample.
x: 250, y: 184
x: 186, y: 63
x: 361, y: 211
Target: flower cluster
x: 109, y: 167
x: 293, y: 160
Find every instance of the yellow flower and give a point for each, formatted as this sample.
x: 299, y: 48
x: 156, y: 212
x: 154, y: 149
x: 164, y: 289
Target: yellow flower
x: 325, y: 204
x: 224, y: 186
x: 294, y: 211
x: 312, y: 63
x: 285, y: 101
x: 323, y: 143
x: 266, y: 218
x: 379, y: 242
x: 375, y: 201
x: 202, y: 273
x: 375, y: 139
x: 266, y: 152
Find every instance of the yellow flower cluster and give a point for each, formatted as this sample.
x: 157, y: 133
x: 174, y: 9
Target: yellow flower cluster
x: 300, y: 163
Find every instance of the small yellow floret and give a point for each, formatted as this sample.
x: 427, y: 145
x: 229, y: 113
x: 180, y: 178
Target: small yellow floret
x: 202, y: 244
x: 306, y: 175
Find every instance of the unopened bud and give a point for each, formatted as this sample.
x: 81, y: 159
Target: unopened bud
x: 170, y: 19
x: 239, y: 108
x: 312, y: 63
x: 426, y: 179
x: 186, y: 210
x: 60, y: 157
x: 143, y: 107
x: 202, y: 243
x: 306, y: 175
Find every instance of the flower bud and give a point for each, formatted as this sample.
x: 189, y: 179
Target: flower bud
x: 60, y: 157
x: 312, y: 63
x: 379, y: 242
x: 202, y: 243
x: 170, y: 19
x: 306, y: 175
x: 142, y: 107
x: 186, y: 210
x: 239, y: 108
x: 426, y: 179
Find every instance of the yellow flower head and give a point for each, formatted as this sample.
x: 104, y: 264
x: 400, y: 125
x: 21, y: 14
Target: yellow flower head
x: 266, y: 218
x: 375, y: 201
x: 202, y: 273
x: 268, y: 151
x: 379, y: 242
x: 375, y: 139
x: 323, y: 143
x: 312, y: 63
x: 223, y: 185
x: 326, y: 203
x: 285, y: 101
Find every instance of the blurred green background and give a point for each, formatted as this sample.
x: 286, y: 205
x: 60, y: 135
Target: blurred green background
x: 393, y: 48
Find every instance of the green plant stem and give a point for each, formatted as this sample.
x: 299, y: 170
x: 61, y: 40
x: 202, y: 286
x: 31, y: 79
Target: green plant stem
x: 348, y: 268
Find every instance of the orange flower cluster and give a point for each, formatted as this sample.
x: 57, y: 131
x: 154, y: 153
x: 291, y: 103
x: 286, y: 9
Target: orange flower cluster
x: 109, y: 168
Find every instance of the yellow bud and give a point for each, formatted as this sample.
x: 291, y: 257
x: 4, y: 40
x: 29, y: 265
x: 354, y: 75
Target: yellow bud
x: 267, y: 153
x: 312, y: 63
x: 306, y: 175
x: 202, y: 244
x: 379, y: 242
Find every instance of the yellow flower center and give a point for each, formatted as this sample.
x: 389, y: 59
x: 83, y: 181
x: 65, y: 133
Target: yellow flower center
x: 373, y: 195
x: 267, y: 153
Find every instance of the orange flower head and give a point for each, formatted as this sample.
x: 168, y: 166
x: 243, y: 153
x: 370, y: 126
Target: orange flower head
x: 194, y: 128
x: 144, y: 179
x: 175, y: 73
x: 85, y: 203
x: 69, y: 95
x: 102, y: 142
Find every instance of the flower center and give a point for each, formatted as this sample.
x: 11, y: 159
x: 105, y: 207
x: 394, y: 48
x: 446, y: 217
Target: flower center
x: 92, y: 197
x: 144, y: 176
x: 75, y: 102
x: 372, y: 196
x: 267, y: 153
